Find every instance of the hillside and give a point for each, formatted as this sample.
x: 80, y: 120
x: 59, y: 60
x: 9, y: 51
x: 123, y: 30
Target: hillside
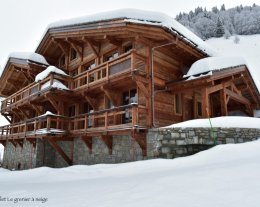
x: 241, y: 20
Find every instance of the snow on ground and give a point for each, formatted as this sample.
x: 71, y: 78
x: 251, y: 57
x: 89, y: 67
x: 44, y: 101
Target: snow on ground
x: 226, y: 176
x: 224, y: 122
x: 248, y: 47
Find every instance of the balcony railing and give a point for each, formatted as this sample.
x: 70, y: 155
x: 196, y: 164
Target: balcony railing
x: 50, y: 124
x: 123, y: 117
x: 31, y: 90
x: 125, y: 63
x: 116, y: 118
x: 105, y: 71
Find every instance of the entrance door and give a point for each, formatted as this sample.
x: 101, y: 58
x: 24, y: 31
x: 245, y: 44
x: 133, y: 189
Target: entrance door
x: 188, y: 109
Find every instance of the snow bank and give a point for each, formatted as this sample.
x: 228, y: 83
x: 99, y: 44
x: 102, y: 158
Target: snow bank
x: 225, y: 176
x: 47, y: 71
x: 56, y: 84
x: 224, y: 122
x: 140, y: 17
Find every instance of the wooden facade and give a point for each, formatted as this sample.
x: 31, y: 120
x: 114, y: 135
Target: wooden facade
x: 124, y: 78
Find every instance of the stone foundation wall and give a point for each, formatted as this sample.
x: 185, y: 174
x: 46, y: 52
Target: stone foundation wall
x: 45, y: 155
x: 19, y: 157
x: 161, y: 143
x: 177, y: 142
x: 122, y: 151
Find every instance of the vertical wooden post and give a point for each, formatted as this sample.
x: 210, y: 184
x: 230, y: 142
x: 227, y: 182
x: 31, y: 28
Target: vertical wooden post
x: 106, y: 120
x: 223, y: 103
x: 48, y: 123
x: 205, y: 103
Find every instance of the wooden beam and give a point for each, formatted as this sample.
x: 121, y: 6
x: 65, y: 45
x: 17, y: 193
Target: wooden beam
x: 91, y: 101
x: 76, y: 45
x: 36, y: 108
x: 62, y: 45
x: 113, y: 40
x: 89, y: 142
x: 90, y: 43
x: 108, y: 140
x: 143, y: 89
x: 112, y: 95
x: 53, y: 102
x: 54, y: 144
x: 237, y: 97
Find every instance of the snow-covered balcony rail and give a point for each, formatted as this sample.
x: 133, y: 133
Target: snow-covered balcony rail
x: 46, y: 124
x: 122, y: 117
x: 53, y: 80
x: 123, y: 64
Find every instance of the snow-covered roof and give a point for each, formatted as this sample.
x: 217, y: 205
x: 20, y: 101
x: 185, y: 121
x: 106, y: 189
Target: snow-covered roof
x: 30, y: 56
x: 48, y: 113
x: 214, y: 63
x: 205, y: 67
x: 56, y: 84
x: 140, y: 17
x: 27, y: 56
x: 47, y: 71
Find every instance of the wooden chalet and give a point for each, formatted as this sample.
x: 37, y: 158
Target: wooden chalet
x: 123, y: 76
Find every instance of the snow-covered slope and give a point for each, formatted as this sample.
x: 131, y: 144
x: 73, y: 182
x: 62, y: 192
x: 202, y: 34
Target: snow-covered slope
x: 224, y: 122
x: 226, y: 176
x: 247, y: 47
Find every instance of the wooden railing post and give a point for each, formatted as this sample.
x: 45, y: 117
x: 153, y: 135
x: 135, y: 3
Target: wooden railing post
x: 106, y: 120
x: 48, y: 123
x: 107, y: 71
x: 134, y: 114
x: 86, y: 122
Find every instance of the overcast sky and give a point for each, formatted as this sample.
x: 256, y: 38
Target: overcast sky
x: 23, y: 22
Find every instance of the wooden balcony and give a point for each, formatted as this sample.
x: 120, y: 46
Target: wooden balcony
x: 110, y: 120
x: 109, y: 71
x: 36, y: 127
x: 30, y: 91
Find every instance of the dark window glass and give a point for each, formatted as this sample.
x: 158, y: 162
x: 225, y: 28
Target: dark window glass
x: 127, y: 48
x: 177, y: 104
x: 73, y: 54
x: 199, y: 108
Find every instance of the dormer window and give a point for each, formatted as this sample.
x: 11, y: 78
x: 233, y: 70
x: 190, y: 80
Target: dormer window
x: 73, y: 54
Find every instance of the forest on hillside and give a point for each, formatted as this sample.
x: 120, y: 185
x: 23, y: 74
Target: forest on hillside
x: 241, y: 20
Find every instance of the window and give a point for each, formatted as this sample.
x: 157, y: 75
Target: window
x: 199, y: 108
x: 128, y: 98
x: 128, y: 47
x: 111, y: 56
x: 177, y: 104
x: 72, y: 111
x: 86, y: 108
x: 73, y: 54
x: 89, y: 65
x: 62, y: 60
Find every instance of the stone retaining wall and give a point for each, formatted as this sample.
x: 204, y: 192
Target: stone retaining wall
x: 161, y: 143
x: 176, y: 142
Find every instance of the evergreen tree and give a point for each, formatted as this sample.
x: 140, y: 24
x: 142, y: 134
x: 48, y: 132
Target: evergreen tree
x: 220, y: 30
x: 223, y: 8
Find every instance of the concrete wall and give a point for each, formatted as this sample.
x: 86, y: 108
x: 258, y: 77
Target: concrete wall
x: 177, y: 142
